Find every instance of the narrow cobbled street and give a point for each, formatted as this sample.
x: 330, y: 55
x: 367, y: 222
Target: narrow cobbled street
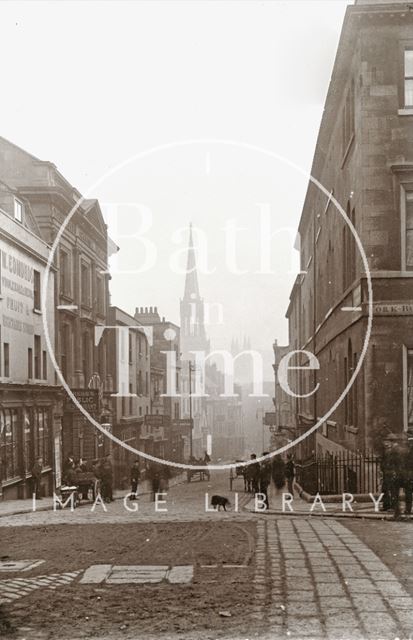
x: 210, y: 574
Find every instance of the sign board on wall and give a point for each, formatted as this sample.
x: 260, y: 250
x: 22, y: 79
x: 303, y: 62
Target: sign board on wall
x: 398, y: 308
x: 88, y: 398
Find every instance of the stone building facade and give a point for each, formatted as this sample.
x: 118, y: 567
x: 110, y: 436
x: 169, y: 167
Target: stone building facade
x: 364, y: 159
x: 81, y: 294
x: 225, y: 419
x: 165, y: 338
x: 129, y: 367
x: 283, y: 427
x: 30, y: 400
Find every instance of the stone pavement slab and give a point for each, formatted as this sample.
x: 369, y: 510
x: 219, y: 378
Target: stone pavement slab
x: 329, y: 599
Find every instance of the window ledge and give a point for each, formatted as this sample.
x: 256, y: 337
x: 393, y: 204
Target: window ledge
x: 37, y: 311
x: 351, y: 429
x: 407, y: 111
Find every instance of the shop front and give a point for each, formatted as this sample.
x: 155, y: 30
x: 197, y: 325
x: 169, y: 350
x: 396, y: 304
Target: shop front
x: 30, y: 421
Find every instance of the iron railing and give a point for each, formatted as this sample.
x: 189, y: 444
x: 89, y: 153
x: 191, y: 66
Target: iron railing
x: 347, y: 471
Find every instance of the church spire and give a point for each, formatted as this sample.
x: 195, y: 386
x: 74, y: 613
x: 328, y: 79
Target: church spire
x: 191, y: 290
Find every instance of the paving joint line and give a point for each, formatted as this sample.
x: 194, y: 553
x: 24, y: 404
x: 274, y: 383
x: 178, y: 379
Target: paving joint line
x: 388, y: 606
x: 355, y: 609
x: 321, y: 616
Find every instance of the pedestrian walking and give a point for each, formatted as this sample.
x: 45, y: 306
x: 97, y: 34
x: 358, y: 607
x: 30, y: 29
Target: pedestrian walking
x: 154, y: 475
x: 390, y: 461
x: 278, y: 472
x: 290, y: 473
x: 106, y: 474
x: 265, y: 479
x: 37, y: 478
x: 254, y: 474
x: 135, y: 474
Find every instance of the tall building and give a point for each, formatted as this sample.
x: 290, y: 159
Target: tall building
x: 193, y: 338
x: 165, y: 400
x: 364, y: 158
x: 129, y: 366
x: 30, y: 408
x: 81, y: 290
x: 225, y: 419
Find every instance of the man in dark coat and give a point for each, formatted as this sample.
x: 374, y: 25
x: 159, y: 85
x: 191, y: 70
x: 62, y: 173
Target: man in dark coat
x: 290, y: 473
x: 390, y: 464
x: 278, y: 472
x: 106, y: 475
x: 155, y: 476
x: 135, y: 474
x: 265, y: 478
x: 254, y: 474
x: 37, y: 478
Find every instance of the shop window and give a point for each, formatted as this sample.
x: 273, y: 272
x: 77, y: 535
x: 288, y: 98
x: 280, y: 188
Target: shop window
x: 36, y: 290
x: 28, y: 441
x: 43, y: 435
x: 9, y: 429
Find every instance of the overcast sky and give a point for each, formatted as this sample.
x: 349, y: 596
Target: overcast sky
x: 90, y: 85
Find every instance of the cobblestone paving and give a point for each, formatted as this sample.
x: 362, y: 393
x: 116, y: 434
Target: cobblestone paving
x: 15, y: 588
x: 315, y: 579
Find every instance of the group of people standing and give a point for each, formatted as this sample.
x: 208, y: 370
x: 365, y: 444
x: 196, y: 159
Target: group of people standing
x: 101, y: 470
x: 258, y: 476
